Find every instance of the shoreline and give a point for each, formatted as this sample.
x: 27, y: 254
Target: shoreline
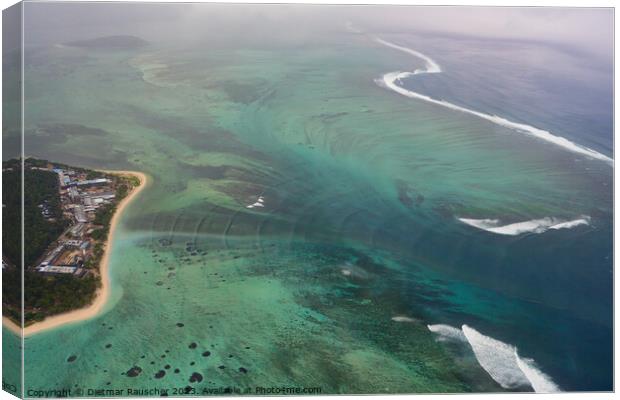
x: 103, y: 293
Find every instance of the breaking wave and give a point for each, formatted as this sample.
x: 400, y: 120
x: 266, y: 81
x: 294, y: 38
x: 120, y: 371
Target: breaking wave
x: 391, y: 79
x: 541, y: 382
x: 402, y: 318
x: 447, y: 332
x: 532, y: 226
x: 500, y: 360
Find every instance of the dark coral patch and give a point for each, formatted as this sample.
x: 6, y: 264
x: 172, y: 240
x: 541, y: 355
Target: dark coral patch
x: 193, y: 345
x: 180, y: 324
x: 134, y: 371
x: 160, y: 374
x: 71, y: 358
x: 107, y: 346
x: 206, y: 354
x: 243, y: 370
x: 195, y: 378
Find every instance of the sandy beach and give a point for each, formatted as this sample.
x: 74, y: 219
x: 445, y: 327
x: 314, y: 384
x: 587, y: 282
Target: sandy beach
x: 103, y: 293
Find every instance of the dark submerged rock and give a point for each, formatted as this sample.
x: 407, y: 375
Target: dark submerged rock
x: 195, y: 378
x: 160, y: 374
x: 134, y: 371
x: 206, y: 354
x: 243, y: 370
x: 193, y: 345
x: 71, y: 358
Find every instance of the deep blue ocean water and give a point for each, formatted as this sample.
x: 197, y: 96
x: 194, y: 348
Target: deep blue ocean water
x: 549, y: 86
x: 556, y: 299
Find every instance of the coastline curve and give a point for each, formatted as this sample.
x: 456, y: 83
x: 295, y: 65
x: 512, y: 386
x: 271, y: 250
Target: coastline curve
x: 103, y: 293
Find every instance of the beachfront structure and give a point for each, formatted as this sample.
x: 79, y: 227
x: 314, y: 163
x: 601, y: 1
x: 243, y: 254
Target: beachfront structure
x: 73, y: 193
x: 53, y: 255
x: 58, y: 269
x: 93, y: 182
x: 77, y: 229
x: 80, y: 215
x: 104, y: 196
x: 96, y: 199
x: 74, y: 243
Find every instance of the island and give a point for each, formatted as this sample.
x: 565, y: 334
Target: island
x: 70, y: 215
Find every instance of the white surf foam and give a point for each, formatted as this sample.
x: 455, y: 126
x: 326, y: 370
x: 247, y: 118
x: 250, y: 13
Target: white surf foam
x: 391, y: 78
x: 571, y: 224
x: 497, y: 358
x: 541, y: 382
x: 431, y: 66
x: 259, y: 203
x: 500, y: 360
x: 447, y: 332
x: 402, y: 318
x: 532, y: 226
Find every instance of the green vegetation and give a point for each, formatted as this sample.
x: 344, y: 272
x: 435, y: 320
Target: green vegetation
x: 45, y: 294
x: 125, y: 185
x: 39, y: 233
x: 40, y: 187
x: 93, y: 175
x: 94, y: 261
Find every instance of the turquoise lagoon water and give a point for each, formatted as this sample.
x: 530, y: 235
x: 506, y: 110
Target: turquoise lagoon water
x: 354, y: 244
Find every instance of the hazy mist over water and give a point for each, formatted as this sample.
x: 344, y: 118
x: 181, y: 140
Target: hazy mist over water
x: 574, y: 29
x: 565, y: 54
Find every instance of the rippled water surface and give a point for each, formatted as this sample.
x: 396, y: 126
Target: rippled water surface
x: 302, y: 226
